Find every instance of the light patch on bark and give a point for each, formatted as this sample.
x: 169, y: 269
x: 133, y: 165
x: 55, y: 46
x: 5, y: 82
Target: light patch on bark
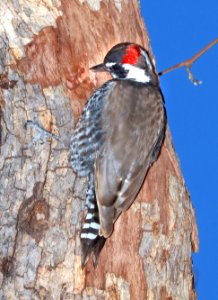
x: 175, y: 190
x: 91, y: 293
x: 55, y: 246
x: 118, y: 4
x: 117, y: 288
x: 93, y: 4
x: 96, y: 4
x: 65, y: 280
x: 79, y: 279
x: 170, y: 252
x: 29, y: 256
x: 20, y: 25
x: 150, y: 213
x: 136, y: 206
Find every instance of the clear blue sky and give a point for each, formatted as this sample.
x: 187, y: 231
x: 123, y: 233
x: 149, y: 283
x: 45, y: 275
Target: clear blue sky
x: 179, y: 29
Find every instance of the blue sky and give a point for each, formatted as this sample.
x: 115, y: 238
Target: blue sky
x: 179, y: 29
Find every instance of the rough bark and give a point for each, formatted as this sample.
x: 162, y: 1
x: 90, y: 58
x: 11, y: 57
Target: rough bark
x: 46, y: 48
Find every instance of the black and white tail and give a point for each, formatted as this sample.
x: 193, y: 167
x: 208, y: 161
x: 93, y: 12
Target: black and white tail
x: 90, y: 240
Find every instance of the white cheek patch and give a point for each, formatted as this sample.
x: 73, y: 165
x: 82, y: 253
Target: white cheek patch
x: 136, y: 74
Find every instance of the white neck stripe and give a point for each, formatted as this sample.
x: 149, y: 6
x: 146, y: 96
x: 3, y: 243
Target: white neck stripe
x: 136, y: 74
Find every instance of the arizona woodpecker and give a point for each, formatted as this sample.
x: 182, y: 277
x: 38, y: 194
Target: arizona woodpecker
x: 118, y: 137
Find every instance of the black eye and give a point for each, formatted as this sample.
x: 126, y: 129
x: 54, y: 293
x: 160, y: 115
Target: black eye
x: 119, y: 71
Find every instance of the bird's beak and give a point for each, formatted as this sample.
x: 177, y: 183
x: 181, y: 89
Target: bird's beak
x: 99, y: 68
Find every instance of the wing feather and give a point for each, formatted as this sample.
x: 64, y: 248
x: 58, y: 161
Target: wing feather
x: 130, y: 147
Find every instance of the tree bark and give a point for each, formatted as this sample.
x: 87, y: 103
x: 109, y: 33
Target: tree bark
x: 46, y: 49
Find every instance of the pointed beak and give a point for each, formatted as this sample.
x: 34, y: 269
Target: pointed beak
x: 99, y: 68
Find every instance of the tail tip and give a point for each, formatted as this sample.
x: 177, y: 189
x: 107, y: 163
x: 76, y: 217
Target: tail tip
x: 92, y: 247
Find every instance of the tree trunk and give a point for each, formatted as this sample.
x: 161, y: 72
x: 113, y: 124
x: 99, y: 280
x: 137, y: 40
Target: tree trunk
x: 46, y: 49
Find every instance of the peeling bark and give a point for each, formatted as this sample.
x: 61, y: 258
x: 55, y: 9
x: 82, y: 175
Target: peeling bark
x: 46, y: 49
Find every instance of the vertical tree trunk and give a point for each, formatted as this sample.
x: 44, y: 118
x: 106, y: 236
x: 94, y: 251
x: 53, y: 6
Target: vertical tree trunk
x: 46, y: 49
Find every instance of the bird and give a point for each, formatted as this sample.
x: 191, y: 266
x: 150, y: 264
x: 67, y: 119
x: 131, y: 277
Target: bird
x: 116, y: 140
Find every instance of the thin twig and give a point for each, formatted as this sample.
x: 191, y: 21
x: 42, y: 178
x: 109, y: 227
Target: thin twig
x: 188, y: 63
x: 191, y: 77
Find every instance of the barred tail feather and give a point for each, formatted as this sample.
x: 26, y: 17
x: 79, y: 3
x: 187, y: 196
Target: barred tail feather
x: 91, y: 242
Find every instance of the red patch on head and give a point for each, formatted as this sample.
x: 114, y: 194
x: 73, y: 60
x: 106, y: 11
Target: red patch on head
x: 132, y: 54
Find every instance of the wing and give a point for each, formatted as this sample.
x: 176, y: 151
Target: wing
x: 88, y: 135
x: 135, y: 128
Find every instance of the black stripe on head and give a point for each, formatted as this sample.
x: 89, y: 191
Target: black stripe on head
x: 118, y: 71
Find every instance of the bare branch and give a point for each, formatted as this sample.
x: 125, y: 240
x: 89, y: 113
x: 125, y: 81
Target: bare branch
x: 188, y: 63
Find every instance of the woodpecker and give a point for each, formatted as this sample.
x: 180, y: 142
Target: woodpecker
x: 118, y: 137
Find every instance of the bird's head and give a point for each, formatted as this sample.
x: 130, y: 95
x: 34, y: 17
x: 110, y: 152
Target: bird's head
x: 128, y: 61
